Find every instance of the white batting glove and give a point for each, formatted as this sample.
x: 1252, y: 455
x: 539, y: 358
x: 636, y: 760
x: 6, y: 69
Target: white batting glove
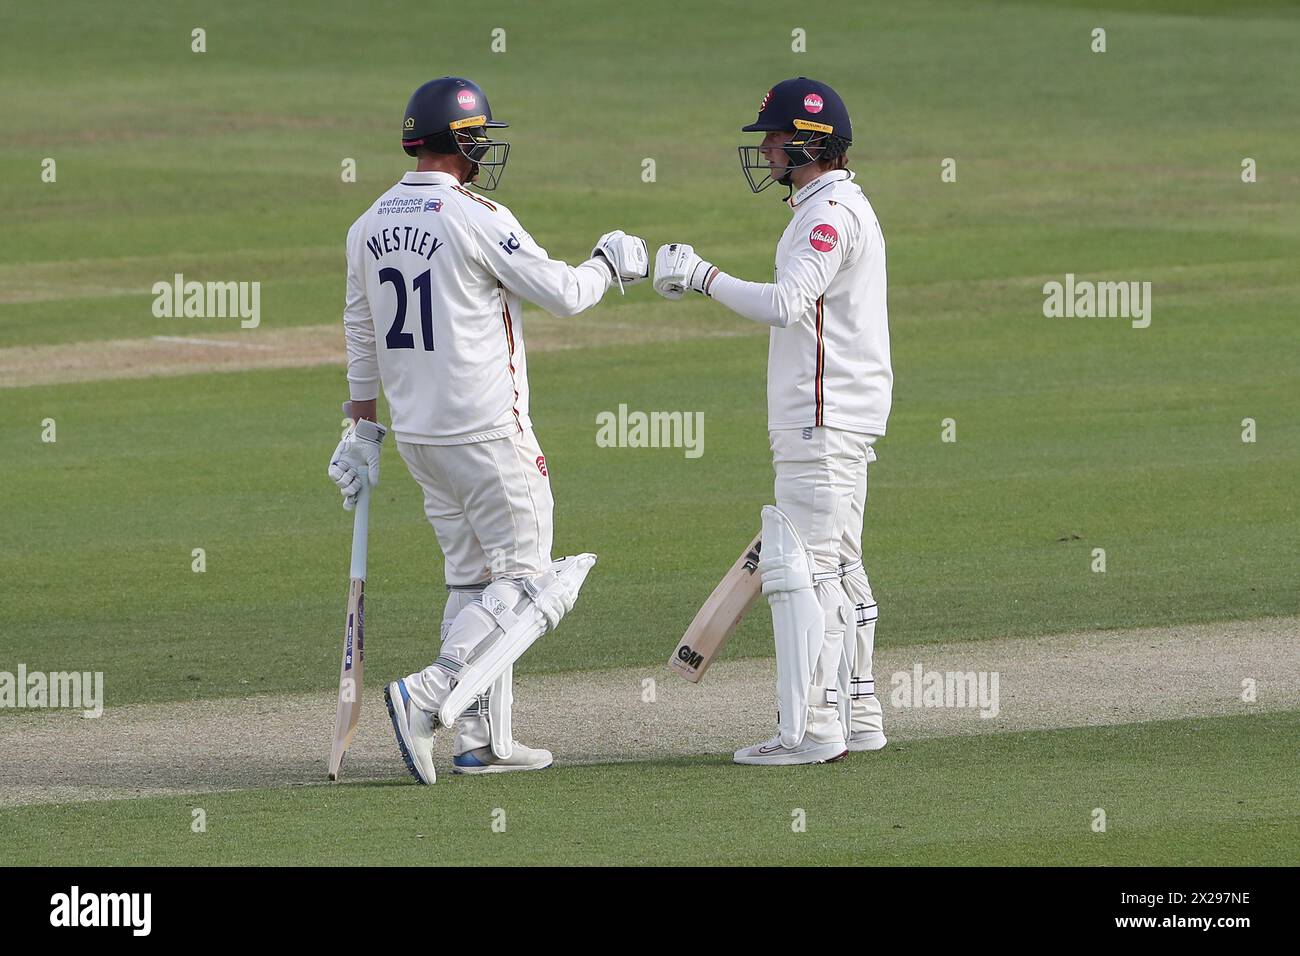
x: 355, y: 463
x: 627, y: 256
x: 554, y: 601
x: 678, y: 268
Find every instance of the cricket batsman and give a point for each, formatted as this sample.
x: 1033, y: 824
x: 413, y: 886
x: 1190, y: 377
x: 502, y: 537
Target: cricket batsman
x: 829, y: 387
x: 435, y: 281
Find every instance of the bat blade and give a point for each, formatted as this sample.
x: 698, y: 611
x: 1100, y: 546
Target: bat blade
x: 351, y: 675
x: 354, y: 640
x: 718, y: 617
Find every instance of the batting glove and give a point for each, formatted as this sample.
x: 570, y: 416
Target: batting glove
x: 628, y: 257
x: 355, y: 463
x: 553, y: 597
x: 678, y: 268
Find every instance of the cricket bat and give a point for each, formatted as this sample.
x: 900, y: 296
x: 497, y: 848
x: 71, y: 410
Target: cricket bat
x: 718, y: 616
x: 354, y: 639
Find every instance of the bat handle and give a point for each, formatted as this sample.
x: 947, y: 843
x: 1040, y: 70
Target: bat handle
x: 360, y: 532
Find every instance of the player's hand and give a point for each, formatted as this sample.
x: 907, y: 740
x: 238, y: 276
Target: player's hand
x: 355, y: 463
x: 678, y: 268
x: 555, y: 601
x: 626, y: 255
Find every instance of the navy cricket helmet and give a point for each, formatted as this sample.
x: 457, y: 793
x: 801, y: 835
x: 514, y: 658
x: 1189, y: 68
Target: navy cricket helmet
x: 451, y: 115
x: 813, y: 112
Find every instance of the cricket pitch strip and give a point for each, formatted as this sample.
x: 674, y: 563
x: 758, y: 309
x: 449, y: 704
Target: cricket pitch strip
x: 1073, y: 680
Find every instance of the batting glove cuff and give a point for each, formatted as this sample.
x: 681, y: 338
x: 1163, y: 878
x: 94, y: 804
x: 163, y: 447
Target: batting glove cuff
x: 367, y: 430
x: 703, y: 275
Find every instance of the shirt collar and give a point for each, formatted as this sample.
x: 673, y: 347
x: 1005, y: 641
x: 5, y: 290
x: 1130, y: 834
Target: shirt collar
x: 433, y: 177
x: 821, y: 182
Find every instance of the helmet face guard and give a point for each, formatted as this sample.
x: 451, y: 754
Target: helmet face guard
x: 486, y: 155
x: 808, y: 145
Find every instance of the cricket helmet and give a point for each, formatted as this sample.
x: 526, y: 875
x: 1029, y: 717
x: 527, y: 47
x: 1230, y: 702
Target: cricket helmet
x: 813, y: 112
x: 451, y: 115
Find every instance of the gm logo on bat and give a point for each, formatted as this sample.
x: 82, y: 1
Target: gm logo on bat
x: 689, y: 657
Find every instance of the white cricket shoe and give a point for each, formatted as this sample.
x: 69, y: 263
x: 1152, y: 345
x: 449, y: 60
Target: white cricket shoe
x: 772, y: 753
x: 867, y: 740
x: 483, y: 760
x: 414, y: 729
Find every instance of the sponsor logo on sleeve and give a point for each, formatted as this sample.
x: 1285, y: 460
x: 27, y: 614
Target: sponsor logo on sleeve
x: 812, y: 103
x: 541, y: 465
x: 824, y: 238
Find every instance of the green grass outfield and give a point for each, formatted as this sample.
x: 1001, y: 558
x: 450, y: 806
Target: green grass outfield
x: 962, y: 540
x: 1072, y: 434
x: 1179, y: 793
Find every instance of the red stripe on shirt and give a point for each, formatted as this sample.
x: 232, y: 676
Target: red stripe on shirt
x: 818, y: 384
x: 510, y: 344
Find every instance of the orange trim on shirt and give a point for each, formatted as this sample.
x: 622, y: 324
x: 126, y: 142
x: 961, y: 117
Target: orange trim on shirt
x: 474, y: 197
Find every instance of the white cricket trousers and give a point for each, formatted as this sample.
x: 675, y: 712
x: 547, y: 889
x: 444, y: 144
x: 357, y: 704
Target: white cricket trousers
x: 490, y: 506
x: 491, y: 509
x: 821, y: 486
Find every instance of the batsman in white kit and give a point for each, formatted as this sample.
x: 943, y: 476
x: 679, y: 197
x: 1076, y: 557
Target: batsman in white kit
x: 829, y: 389
x: 436, y: 276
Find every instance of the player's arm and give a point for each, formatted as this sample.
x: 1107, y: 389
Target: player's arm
x: 359, y: 331
x: 524, y: 267
x: 358, y: 411
x: 358, y: 453
x: 804, y: 275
